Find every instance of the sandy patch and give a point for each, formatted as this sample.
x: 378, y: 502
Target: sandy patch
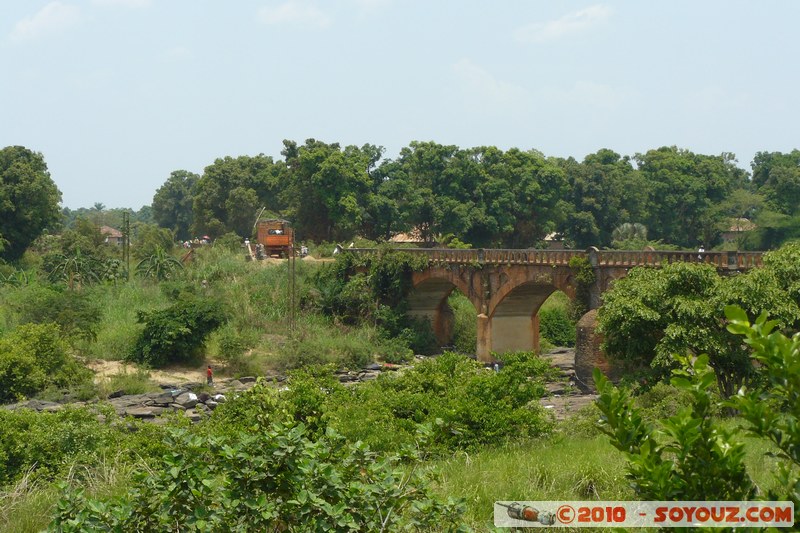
x: 104, y: 369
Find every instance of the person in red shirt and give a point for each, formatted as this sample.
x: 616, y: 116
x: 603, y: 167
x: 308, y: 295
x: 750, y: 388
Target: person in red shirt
x: 209, y: 376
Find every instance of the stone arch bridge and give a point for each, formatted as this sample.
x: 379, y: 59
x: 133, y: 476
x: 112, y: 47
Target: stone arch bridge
x: 507, y: 287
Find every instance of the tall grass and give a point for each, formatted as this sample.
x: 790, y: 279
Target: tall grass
x: 118, y: 327
x: 554, y: 468
x: 28, y: 506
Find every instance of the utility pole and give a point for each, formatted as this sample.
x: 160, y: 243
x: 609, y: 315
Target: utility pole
x: 292, y: 285
x: 126, y: 243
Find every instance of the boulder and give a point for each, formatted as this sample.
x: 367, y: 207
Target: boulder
x: 116, y: 394
x: 187, y: 400
x: 247, y: 379
x: 144, y: 412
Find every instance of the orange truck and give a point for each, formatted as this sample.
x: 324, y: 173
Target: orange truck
x: 276, y: 236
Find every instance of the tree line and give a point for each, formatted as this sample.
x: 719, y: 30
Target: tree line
x: 488, y: 197
x: 481, y: 196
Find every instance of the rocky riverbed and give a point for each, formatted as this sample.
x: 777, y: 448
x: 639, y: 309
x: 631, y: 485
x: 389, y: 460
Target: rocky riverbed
x: 196, y: 400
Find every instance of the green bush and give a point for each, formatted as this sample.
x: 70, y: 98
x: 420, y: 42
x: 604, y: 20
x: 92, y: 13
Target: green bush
x: 556, y: 326
x: 76, y: 313
x: 688, y: 456
x: 465, y: 404
x: 177, y: 333
x: 32, y: 358
x: 278, y: 479
x: 48, y: 443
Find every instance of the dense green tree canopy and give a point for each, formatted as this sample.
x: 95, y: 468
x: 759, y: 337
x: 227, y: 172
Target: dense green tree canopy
x: 231, y: 191
x: 653, y: 314
x: 28, y: 200
x: 487, y: 197
x: 172, y: 203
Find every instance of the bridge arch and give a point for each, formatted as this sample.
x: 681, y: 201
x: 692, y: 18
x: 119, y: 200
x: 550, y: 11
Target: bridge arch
x: 428, y: 299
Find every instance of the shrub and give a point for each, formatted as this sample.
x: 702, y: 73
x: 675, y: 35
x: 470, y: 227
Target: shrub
x: 556, y: 326
x: 177, y: 333
x: 275, y: 480
x: 47, y: 443
x: 76, y: 313
x: 688, y: 456
x: 465, y: 404
x: 33, y: 357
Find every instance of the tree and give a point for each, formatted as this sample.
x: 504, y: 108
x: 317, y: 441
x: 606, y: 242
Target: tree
x: 685, y: 187
x: 159, y: 265
x: 605, y: 191
x: 28, y: 200
x: 217, y: 207
x: 653, y: 314
x: 172, y: 203
x: 328, y: 188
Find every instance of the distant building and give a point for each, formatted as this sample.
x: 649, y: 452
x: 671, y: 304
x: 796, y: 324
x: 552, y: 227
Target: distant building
x: 555, y: 241
x: 412, y: 237
x: 738, y: 227
x: 113, y: 236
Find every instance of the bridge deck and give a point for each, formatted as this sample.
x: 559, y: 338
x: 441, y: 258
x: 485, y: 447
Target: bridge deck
x: 602, y: 258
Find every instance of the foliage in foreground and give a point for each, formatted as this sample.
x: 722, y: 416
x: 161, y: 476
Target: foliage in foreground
x: 465, y: 404
x: 279, y: 480
x: 689, y: 456
x: 774, y: 411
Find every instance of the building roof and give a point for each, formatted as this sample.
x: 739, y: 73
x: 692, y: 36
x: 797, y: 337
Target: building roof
x: 110, y: 232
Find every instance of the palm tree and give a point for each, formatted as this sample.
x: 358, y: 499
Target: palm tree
x: 76, y: 269
x: 159, y: 265
x: 629, y: 231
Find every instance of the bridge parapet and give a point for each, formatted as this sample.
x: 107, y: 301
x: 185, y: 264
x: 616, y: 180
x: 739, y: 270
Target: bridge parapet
x: 655, y: 258
x: 604, y: 258
x: 490, y: 256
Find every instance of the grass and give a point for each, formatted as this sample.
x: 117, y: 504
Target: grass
x: 118, y: 327
x: 553, y: 468
x: 29, y: 505
x: 137, y: 382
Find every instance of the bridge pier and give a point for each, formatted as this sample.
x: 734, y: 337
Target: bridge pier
x: 484, y: 334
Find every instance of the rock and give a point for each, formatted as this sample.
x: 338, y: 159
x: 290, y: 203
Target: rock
x: 345, y: 378
x: 201, y: 407
x: 192, y: 415
x: 203, y: 397
x: 52, y: 408
x: 187, y: 400
x: 219, y: 398
x: 211, y: 404
x: 177, y: 407
x: 116, y: 394
x: 367, y: 376
x: 192, y: 385
x: 373, y: 366
x: 168, y: 386
x: 235, y: 384
x: 162, y: 399
x: 247, y: 379
x: 144, y: 412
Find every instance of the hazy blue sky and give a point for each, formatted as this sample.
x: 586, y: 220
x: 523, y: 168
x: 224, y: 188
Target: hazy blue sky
x: 118, y: 93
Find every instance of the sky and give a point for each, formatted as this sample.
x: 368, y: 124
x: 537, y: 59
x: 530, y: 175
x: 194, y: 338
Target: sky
x: 117, y: 94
